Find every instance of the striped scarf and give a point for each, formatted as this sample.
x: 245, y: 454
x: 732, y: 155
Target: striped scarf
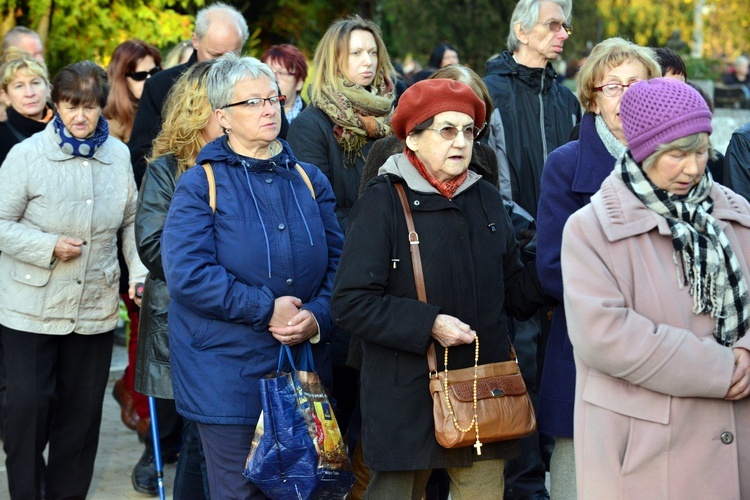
x: 702, y: 251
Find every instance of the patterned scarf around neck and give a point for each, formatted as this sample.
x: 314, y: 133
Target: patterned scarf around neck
x: 709, y: 266
x: 357, y: 113
x: 447, y: 188
x: 81, y: 147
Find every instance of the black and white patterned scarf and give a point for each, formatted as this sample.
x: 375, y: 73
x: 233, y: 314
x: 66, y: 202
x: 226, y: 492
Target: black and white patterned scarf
x: 702, y: 250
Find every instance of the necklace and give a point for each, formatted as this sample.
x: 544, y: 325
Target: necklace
x: 475, y: 420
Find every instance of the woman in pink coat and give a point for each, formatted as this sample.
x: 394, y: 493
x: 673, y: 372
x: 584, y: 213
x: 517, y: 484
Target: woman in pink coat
x: 655, y: 273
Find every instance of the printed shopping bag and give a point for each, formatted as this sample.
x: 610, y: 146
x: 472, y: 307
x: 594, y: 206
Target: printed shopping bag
x: 297, y: 451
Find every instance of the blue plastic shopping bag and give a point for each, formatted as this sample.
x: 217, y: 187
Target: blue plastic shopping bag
x: 297, y: 451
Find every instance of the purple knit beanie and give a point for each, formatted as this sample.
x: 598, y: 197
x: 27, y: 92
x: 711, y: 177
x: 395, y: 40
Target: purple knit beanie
x: 659, y: 111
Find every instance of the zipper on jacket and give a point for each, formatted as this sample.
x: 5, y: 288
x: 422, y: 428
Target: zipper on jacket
x: 541, y: 119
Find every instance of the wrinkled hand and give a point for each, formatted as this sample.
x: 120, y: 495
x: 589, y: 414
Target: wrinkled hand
x: 740, y: 387
x: 284, y: 309
x: 450, y: 331
x: 300, y: 327
x: 67, y: 248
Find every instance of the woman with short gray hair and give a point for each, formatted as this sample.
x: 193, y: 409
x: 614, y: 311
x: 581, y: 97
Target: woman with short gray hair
x: 248, y: 271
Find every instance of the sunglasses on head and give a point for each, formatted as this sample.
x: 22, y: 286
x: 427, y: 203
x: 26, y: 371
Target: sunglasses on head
x: 139, y: 76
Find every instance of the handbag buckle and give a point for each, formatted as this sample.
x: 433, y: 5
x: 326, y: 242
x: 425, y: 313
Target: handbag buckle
x: 413, y: 238
x: 497, y: 392
x: 432, y: 375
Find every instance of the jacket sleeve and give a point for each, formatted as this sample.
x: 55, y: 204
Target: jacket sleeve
x: 320, y: 305
x: 610, y: 336
x: 737, y: 163
x: 146, y: 126
x: 193, y: 274
x: 361, y: 303
x: 523, y: 293
x: 557, y: 203
x: 136, y: 270
x: 21, y: 241
x: 496, y: 140
x: 155, y: 196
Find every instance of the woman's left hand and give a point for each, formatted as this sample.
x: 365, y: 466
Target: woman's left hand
x: 131, y: 293
x: 740, y: 387
x: 300, y: 327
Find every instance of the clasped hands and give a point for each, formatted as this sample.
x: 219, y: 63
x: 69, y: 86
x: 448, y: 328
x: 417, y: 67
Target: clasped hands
x: 289, y: 324
x: 740, y: 387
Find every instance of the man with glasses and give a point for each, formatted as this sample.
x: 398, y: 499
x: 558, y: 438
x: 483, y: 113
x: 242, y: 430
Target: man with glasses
x: 537, y: 114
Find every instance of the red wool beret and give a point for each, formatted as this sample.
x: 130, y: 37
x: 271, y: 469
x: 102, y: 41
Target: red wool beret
x: 427, y: 98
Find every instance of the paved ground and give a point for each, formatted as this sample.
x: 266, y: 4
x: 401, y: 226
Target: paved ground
x: 119, y: 450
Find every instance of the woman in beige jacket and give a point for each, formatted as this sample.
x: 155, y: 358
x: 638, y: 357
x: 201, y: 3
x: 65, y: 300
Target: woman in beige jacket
x: 66, y: 192
x: 655, y: 274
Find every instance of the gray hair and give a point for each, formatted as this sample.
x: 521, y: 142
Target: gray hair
x: 230, y: 69
x: 12, y: 36
x: 527, y: 14
x: 203, y: 19
x: 688, y: 144
x: 741, y: 61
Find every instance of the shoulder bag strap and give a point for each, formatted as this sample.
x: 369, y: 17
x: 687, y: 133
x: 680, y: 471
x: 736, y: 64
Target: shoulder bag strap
x: 416, y: 260
x: 15, y: 131
x: 211, y: 186
x: 306, y: 179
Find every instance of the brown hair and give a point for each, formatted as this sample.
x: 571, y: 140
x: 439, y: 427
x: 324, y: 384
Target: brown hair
x: 81, y: 83
x: 122, y: 104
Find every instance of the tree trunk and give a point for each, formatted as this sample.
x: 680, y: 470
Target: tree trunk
x: 697, y: 50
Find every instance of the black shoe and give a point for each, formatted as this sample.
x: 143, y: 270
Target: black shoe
x: 144, y: 475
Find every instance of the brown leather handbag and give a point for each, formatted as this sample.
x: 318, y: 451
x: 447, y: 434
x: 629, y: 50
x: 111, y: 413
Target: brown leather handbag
x: 490, y: 400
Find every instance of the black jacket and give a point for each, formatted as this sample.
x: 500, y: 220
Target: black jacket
x: 472, y: 270
x: 153, y: 376
x: 16, y: 125
x: 737, y: 162
x: 312, y: 140
x: 530, y: 100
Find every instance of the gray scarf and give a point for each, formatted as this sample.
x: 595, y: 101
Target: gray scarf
x: 709, y: 266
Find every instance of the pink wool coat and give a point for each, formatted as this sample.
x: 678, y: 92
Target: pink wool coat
x: 650, y: 418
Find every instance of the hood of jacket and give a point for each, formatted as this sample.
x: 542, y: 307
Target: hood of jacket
x: 534, y: 78
x: 219, y: 150
x: 400, y: 166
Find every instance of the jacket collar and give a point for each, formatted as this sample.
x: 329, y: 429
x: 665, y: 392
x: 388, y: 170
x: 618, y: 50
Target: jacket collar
x: 623, y: 215
x: 504, y: 64
x: 594, y: 161
x: 218, y: 151
x: 400, y: 166
x: 53, y: 151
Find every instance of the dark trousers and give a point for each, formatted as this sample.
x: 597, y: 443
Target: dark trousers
x: 191, y: 480
x: 226, y: 448
x: 526, y: 474
x: 56, y: 387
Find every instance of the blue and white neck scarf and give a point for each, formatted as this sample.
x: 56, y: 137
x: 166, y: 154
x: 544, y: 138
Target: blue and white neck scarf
x: 81, y: 147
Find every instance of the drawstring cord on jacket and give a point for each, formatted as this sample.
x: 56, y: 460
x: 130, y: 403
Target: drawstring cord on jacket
x: 299, y: 209
x: 260, y: 216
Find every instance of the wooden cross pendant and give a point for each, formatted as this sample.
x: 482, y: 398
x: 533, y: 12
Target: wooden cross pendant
x: 478, y: 446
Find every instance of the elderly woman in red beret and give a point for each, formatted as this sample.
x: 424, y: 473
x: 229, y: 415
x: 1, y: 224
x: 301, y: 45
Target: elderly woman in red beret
x: 473, y: 277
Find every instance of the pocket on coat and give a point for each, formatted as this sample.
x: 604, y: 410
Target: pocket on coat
x: 627, y: 399
x: 29, y: 295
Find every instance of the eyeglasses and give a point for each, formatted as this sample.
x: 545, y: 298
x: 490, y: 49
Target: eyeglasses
x: 555, y: 26
x: 613, y: 89
x: 259, y: 102
x: 139, y: 76
x: 282, y: 73
x: 450, y: 133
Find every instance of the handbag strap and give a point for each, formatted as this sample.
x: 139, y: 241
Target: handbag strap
x: 416, y: 261
x: 211, y: 186
x: 416, y: 257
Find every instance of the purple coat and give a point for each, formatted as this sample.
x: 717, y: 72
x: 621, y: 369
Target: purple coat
x: 572, y: 174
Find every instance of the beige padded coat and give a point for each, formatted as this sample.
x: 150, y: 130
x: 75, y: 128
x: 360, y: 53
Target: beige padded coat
x: 44, y: 194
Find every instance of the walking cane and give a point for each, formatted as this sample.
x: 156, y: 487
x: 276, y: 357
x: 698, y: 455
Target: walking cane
x: 157, y: 447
